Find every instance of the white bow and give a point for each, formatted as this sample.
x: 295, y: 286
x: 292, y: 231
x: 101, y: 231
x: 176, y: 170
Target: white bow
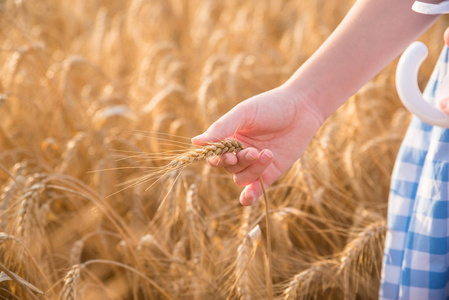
x: 407, y: 74
x: 430, y: 8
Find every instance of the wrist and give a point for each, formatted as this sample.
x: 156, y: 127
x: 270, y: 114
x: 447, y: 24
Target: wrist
x: 309, y: 98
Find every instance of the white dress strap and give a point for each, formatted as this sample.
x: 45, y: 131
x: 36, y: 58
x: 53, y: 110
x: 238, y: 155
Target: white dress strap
x: 430, y: 8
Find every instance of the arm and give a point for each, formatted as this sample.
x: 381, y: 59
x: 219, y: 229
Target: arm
x: 277, y: 125
x: 372, y: 34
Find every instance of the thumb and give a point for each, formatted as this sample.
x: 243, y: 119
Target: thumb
x: 224, y: 127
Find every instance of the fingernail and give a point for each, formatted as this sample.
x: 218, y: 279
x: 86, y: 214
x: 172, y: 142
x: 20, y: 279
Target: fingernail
x: 230, y: 159
x: 249, y: 156
x: 248, y: 198
x: 266, y: 158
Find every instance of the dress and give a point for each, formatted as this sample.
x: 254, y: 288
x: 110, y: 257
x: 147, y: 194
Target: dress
x: 416, y: 255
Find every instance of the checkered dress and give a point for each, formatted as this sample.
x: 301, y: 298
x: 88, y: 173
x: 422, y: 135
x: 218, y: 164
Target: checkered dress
x: 416, y: 257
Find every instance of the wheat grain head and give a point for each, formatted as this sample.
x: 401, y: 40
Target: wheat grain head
x: 208, y: 151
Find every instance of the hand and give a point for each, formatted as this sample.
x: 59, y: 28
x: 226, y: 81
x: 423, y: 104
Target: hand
x: 444, y: 104
x: 275, y: 127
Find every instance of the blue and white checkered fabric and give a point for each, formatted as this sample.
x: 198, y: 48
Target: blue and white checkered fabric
x: 416, y: 257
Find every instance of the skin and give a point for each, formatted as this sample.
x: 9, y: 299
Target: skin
x: 277, y: 126
x: 444, y: 104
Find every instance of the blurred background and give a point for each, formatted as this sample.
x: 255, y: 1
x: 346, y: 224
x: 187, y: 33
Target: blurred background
x: 96, y: 96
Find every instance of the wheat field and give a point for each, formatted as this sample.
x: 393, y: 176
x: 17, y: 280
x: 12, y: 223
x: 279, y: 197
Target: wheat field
x: 96, y: 98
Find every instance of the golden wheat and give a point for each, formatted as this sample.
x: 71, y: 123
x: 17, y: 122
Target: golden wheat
x: 211, y: 150
x: 70, y: 288
x: 304, y: 284
x: 79, y: 76
x: 245, y: 254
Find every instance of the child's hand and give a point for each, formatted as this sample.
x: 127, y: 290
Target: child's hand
x: 276, y: 128
x: 444, y: 104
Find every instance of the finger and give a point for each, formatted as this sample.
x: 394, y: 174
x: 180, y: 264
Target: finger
x: 225, y: 160
x: 251, y: 173
x: 444, y: 105
x: 251, y: 193
x: 244, y: 158
x: 224, y: 127
x: 203, y: 139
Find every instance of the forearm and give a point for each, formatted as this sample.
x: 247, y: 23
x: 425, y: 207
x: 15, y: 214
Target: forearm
x: 372, y: 34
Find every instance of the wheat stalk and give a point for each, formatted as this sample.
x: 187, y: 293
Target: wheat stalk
x: 220, y: 148
x: 189, y: 73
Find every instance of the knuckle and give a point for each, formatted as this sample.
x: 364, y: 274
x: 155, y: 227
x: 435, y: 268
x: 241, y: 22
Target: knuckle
x: 242, y: 164
x: 213, y: 162
x: 255, y: 172
x: 232, y: 169
x: 239, y: 180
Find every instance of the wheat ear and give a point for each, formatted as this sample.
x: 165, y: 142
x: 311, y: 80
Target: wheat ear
x: 361, y: 256
x: 303, y: 284
x: 210, y: 150
x: 69, y: 290
x: 245, y: 254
